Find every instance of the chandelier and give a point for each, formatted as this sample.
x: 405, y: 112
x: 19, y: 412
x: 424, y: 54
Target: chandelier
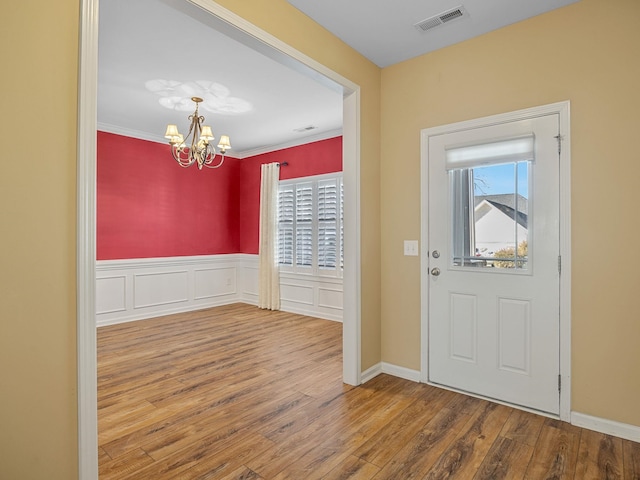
x: 196, y: 147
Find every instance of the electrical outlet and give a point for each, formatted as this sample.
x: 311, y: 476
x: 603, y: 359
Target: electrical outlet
x: 411, y: 248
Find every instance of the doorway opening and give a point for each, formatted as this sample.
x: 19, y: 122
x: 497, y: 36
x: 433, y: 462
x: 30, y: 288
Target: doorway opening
x: 235, y: 26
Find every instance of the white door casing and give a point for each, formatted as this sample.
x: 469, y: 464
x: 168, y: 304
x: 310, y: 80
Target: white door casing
x: 500, y: 333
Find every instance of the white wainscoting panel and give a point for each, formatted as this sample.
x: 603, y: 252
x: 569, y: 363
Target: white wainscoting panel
x: 330, y: 298
x: 113, y: 296
x: 311, y: 295
x: 248, y: 268
x: 128, y: 290
x: 215, y: 282
x: 292, y: 293
x: 151, y: 287
x: 160, y: 288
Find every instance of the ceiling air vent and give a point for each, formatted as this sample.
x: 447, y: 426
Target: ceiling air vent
x: 440, y: 19
x: 305, y: 129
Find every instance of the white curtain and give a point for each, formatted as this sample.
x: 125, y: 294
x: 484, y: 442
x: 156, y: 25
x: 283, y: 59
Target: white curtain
x: 269, y: 274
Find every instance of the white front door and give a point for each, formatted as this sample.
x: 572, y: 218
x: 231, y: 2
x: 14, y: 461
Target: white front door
x: 493, y: 280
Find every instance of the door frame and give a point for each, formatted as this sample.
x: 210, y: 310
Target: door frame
x: 232, y: 25
x: 562, y: 109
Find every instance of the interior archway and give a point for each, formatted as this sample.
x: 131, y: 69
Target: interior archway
x: 271, y: 46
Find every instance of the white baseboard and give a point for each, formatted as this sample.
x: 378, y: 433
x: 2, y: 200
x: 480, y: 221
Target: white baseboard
x: 103, y: 322
x: 371, y: 373
x: 310, y: 312
x: 390, y: 369
x: 402, y: 372
x: 609, y: 427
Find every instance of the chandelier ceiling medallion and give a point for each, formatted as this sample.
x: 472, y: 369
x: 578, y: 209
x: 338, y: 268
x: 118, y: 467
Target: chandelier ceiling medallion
x: 196, y: 147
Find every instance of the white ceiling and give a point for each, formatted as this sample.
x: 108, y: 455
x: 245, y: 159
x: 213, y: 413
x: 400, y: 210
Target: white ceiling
x: 384, y: 32
x: 173, y: 40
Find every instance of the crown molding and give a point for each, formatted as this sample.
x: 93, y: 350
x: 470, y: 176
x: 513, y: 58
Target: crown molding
x: 293, y: 143
x: 127, y: 132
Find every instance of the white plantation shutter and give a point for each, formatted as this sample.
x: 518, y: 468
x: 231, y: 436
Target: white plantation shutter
x: 341, y: 223
x: 286, y: 212
x: 310, y: 230
x: 328, y: 220
x: 304, y: 224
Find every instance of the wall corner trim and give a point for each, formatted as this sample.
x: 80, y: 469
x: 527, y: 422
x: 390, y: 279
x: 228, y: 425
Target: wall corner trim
x: 609, y: 427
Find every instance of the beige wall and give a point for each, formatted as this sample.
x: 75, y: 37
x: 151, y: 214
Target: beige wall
x: 38, y: 41
x: 39, y: 45
x: 586, y: 53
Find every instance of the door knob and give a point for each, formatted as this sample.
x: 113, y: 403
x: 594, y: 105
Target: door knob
x: 435, y: 271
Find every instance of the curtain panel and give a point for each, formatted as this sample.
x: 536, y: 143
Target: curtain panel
x: 268, y: 271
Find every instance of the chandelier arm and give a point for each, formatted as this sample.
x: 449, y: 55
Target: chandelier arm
x: 183, y: 162
x: 209, y: 164
x: 191, y: 124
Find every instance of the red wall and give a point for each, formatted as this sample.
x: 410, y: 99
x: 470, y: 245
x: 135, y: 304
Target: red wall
x: 148, y: 206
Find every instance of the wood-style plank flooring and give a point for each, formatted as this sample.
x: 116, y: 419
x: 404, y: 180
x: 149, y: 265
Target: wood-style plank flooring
x: 235, y: 392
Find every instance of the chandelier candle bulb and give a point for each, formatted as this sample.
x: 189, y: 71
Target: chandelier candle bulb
x: 206, y: 134
x: 195, y: 148
x: 224, y: 144
x: 172, y: 132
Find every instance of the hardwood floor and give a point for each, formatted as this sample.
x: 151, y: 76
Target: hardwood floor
x: 239, y: 393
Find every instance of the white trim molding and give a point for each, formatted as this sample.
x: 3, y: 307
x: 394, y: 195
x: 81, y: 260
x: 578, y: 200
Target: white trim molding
x: 609, y: 427
x: 136, y: 289
x: 390, y: 369
x: 86, y: 342
x: 127, y: 132
x: 371, y: 372
x: 352, y: 281
x: 318, y: 137
x: 401, y: 372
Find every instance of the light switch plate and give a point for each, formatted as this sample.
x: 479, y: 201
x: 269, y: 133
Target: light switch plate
x: 411, y: 248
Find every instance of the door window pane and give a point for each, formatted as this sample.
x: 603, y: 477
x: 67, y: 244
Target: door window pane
x: 490, y: 216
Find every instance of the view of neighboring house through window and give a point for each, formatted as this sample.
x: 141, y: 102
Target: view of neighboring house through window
x: 310, y: 233
x: 490, y: 213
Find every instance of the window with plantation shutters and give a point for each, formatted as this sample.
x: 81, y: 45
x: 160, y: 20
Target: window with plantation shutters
x: 341, y: 224
x: 304, y: 224
x: 328, y: 220
x: 286, y: 209
x: 310, y: 233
